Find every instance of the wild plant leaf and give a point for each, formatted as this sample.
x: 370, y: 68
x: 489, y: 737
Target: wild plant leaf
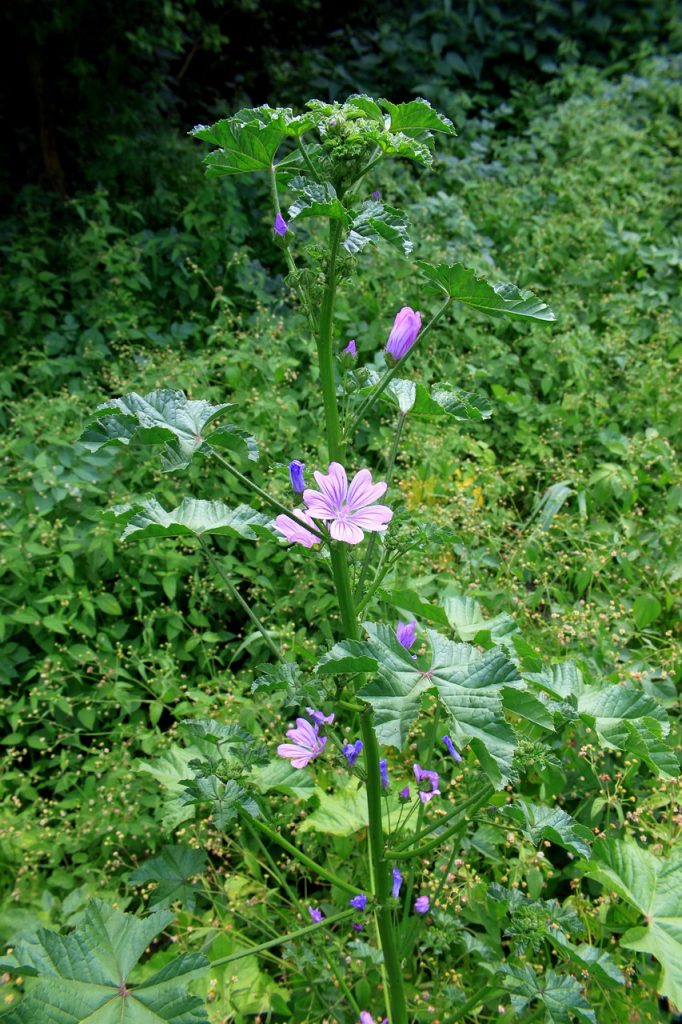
x: 538, y: 823
x: 282, y: 676
x: 243, y: 147
x: 630, y: 720
x: 559, y: 994
x: 193, y: 517
x: 654, y: 887
x: 279, y: 775
x: 551, y: 503
x: 469, y: 684
x: 346, y: 657
x: 525, y: 705
x: 466, y: 617
x: 174, y: 870
x: 504, y: 300
x: 235, y: 440
x: 169, y: 770
x: 344, y: 812
x: 414, y: 398
x: 417, y: 116
x: 162, y: 417
x: 563, y: 680
x: 315, y: 199
x: 225, y: 799
x: 375, y: 221
x: 88, y: 974
x: 463, y: 405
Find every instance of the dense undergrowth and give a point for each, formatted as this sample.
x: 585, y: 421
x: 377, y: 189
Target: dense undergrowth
x: 562, y: 511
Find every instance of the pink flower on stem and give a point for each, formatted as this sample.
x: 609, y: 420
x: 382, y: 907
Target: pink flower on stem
x: 294, y: 531
x: 406, y: 327
x: 306, y: 746
x: 348, y: 508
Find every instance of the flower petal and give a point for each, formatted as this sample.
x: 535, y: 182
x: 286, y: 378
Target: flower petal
x: 374, y: 517
x: 347, y: 532
x: 362, y: 491
x: 318, y: 505
x: 299, y: 757
x: 334, y: 486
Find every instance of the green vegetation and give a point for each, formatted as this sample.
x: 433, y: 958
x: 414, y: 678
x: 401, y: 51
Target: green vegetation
x: 558, y: 516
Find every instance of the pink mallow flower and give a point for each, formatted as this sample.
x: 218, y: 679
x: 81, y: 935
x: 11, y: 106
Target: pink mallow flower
x: 406, y: 327
x: 306, y: 746
x: 348, y: 508
x: 294, y: 531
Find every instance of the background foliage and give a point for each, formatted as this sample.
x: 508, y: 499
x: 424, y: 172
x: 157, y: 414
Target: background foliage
x: 563, y: 511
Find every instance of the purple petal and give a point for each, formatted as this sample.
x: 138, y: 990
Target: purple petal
x: 422, y: 904
x: 334, y: 485
x: 363, y: 492
x: 294, y: 532
x: 347, y: 532
x: 319, y: 717
x: 406, y: 633
x: 300, y: 758
x: 450, y: 747
x: 373, y: 518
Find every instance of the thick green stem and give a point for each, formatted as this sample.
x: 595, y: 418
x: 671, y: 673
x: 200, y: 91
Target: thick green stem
x: 303, y: 858
x: 234, y: 593
x: 325, y: 350
x: 390, y: 374
x: 379, y: 872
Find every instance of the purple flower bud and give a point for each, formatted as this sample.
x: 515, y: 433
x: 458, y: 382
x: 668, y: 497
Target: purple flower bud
x: 352, y: 751
x: 422, y: 904
x: 319, y: 718
x: 406, y: 327
x: 359, y: 901
x: 376, y: 195
x: 397, y: 882
x: 296, y: 476
x: 351, y: 349
x: 404, y: 794
x: 406, y: 633
x: 280, y: 226
x: 316, y: 914
x: 424, y: 775
x: 357, y: 926
x: 383, y: 771
x: 451, y: 748
x: 366, y: 1018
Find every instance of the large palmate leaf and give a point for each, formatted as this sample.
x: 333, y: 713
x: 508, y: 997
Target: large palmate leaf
x: 469, y: 684
x: 538, y: 823
x: 174, y: 870
x: 417, y: 116
x: 88, y: 974
x: 192, y: 518
x: 558, y: 994
x: 630, y: 720
x: 243, y: 147
x: 465, y: 615
x: 654, y: 887
x: 462, y: 284
x: 315, y: 199
x: 414, y: 398
x: 375, y: 221
x: 162, y: 417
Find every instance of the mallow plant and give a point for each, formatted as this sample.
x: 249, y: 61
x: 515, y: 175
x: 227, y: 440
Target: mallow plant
x: 428, y: 729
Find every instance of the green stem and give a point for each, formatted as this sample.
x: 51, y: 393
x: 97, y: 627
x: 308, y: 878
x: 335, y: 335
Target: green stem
x: 267, y: 498
x: 293, y: 270
x: 389, y: 472
x: 325, y: 349
x: 457, y: 811
x: 390, y: 374
x: 303, y: 858
x: 304, y: 153
x: 280, y: 940
x: 420, y: 851
x: 234, y: 593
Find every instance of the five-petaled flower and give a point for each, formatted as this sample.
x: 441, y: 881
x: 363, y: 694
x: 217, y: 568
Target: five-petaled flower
x: 316, y: 914
x: 424, y: 775
x: 450, y: 747
x: 422, y: 904
x: 359, y: 901
x: 294, y: 530
x: 406, y: 327
x: 307, y: 744
x: 352, y: 751
x: 348, y: 509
